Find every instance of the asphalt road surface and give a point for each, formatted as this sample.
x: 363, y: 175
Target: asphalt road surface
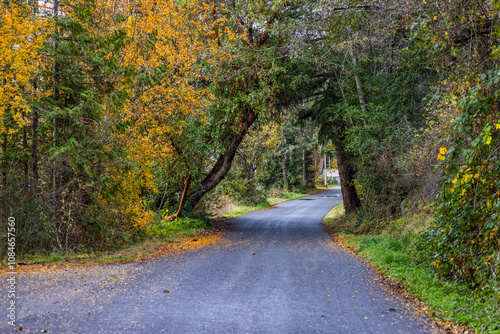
x: 278, y: 271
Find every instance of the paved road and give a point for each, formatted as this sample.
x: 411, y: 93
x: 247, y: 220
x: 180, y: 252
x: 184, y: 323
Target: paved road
x: 278, y: 272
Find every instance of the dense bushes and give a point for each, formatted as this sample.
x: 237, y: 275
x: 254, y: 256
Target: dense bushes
x: 463, y: 243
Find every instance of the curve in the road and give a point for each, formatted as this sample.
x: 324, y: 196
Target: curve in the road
x: 278, y: 272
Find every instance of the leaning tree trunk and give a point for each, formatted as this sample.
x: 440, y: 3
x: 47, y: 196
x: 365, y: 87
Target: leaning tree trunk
x: 223, y: 164
x: 304, y: 169
x: 283, y: 166
x: 34, y: 150
x: 182, y: 203
x: 346, y: 173
x: 359, y: 84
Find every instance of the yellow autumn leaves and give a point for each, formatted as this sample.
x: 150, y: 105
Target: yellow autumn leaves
x: 466, y: 180
x: 22, y: 34
x: 487, y: 138
x: 167, y: 42
x: 442, y: 153
x: 170, y: 47
x: 462, y: 179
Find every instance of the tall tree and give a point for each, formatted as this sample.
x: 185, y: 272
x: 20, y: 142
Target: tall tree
x: 22, y: 34
x: 245, y: 87
x: 350, y: 68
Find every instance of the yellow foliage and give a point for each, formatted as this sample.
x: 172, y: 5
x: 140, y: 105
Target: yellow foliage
x: 167, y: 39
x: 123, y: 200
x: 442, y: 153
x: 22, y: 33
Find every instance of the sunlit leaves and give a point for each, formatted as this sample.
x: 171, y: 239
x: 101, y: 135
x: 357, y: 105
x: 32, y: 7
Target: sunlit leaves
x: 22, y: 33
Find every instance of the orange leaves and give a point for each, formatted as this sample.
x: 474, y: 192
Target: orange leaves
x: 163, y: 32
x: 166, y: 41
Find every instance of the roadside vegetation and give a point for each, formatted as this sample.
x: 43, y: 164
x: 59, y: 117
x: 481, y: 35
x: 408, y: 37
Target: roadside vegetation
x: 240, y: 210
x: 392, y: 247
x: 111, y: 129
x: 275, y: 197
x: 148, y: 241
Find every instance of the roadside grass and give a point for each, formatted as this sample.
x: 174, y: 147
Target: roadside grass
x: 240, y: 210
x: 391, y: 251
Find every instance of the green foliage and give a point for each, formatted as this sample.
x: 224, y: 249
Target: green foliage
x: 450, y: 55
x: 32, y: 228
x: 244, y: 191
x: 164, y: 230
x: 364, y: 91
x: 53, y: 179
x: 294, y: 148
x: 272, y: 175
x: 378, y: 140
x: 83, y: 80
x: 462, y: 243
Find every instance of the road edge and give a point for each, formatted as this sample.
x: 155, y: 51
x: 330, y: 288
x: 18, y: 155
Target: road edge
x: 394, y: 286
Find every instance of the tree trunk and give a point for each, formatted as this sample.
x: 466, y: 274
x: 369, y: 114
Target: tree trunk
x: 34, y: 147
x: 34, y: 150
x: 25, y: 149
x: 223, y: 164
x: 187, y: 184
x: 283, y: 166
x: 346, y: 173
x: 359, y: 85
x: 4, y: 154
x: 55, y: 95
x: 325, y: 171
x: 304, y: 169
